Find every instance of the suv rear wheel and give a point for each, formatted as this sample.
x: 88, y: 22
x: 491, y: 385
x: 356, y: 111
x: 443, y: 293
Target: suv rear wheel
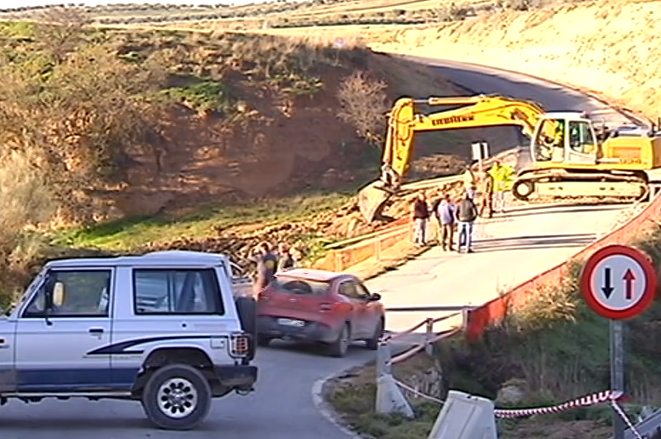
x: 176, y: 397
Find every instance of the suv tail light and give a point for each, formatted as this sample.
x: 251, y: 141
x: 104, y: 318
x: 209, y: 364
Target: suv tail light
x: 240, y: 345
x: 326, y: 306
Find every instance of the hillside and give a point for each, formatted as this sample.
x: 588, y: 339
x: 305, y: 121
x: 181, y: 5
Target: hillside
x: 609, y: 46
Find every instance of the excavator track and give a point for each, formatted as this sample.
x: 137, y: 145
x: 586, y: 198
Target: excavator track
x: 564, y: 183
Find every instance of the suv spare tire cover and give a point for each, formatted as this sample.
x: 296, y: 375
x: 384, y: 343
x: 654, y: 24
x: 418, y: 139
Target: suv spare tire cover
x: 246, y: 307
x: 247, y: 310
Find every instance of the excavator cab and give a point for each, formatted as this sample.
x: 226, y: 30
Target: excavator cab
x: 564, y: 138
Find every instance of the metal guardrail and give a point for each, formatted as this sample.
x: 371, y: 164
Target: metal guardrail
x: 385, y: 358
x: 647, y: 428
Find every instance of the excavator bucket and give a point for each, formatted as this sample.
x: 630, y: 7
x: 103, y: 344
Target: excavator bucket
x: 372, y: 199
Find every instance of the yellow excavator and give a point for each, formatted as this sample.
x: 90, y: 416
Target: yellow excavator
x: 571, y: 156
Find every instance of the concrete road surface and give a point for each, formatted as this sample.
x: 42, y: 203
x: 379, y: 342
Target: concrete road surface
x: 282, y: 407
x: 508, y: 251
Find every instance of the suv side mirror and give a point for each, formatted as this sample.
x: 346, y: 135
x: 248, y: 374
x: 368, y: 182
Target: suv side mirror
x: 374, y: 297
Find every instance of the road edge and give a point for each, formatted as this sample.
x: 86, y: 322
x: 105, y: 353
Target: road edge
x: 325, y: 408
x: 632, y: 114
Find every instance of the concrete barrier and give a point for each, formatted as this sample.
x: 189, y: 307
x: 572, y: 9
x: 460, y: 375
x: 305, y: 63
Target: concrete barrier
x: 493, y: 312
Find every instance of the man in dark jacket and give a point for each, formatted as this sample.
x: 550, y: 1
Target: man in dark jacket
x: 420, y: 218
x: 465, y: 214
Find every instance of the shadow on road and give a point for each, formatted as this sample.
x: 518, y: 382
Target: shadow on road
x: 534, y: 242
x: 312, y: 349
x: 574, y: 208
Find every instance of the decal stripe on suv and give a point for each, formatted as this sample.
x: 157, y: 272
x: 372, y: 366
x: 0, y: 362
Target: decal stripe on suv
x: 124, y: 346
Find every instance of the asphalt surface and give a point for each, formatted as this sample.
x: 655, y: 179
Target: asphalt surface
x: 282, y: 407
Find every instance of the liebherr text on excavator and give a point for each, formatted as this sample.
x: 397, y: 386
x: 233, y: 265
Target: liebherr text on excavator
x: 571, y: 157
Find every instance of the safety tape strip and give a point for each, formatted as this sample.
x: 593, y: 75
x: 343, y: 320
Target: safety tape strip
x: 585, y: 401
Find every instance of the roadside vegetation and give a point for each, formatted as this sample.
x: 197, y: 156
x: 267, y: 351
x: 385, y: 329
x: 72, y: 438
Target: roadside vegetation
x: 550, y: 349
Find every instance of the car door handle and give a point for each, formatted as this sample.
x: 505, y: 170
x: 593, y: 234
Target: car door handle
x: 95, y: 330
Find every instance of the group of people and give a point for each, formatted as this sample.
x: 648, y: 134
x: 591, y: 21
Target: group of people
x: 269, y: 262
x: 488, y: 187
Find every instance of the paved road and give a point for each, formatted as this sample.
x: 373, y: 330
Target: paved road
x: 508, y: 251
x: 282, y: 407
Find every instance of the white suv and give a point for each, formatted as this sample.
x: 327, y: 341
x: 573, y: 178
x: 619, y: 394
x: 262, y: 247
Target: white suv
x: 164, y: 329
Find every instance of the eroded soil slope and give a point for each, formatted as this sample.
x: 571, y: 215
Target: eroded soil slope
x: 611, y: 46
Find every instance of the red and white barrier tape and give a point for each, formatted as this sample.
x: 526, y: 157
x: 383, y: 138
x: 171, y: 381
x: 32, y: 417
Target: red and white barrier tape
x: 585, y: 401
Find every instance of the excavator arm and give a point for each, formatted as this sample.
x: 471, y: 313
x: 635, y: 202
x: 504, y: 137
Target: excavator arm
x: 404, y: 121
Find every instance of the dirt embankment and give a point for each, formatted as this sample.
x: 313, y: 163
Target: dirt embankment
x: 610, y: 47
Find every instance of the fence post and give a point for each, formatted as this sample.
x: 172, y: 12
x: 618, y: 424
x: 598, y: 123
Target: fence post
x: 429, y: 335
x: 389, y: 397
x: 464, y: 319
x: 338, y: 260
x: 383, y: 357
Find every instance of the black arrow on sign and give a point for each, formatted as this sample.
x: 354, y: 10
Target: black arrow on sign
x: 607, y: 289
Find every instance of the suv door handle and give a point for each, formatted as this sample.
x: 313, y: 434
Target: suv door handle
x: 95, y: 330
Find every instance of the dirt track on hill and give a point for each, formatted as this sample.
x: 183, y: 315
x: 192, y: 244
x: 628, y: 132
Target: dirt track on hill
x: 610, y: 47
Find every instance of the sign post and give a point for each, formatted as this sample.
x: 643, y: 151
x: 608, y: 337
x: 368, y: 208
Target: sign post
x: 618, y: 282
x: 480, y: 152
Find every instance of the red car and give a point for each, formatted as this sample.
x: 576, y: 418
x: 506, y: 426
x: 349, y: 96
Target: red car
x: 319, y: 306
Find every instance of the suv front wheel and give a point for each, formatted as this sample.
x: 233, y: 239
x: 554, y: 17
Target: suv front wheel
x: 176, y: 397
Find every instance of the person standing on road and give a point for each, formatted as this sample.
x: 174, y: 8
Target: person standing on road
x: 446, y: 222
x: 285, y: 258
x: 502, y: 177
x: 420, y: 218
x: 486, y: 200
x: 466, y: 214
x: 267, y: 265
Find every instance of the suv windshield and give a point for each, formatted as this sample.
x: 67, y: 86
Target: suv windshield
x: 294, y: 285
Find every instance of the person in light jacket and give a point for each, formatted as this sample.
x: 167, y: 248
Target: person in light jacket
x: 446, y: 222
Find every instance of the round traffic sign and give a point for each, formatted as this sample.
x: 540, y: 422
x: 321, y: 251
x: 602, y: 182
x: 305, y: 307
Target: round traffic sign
x: 618, y: 282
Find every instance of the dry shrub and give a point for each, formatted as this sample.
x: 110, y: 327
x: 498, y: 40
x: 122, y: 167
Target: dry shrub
x: 60, y: 29
x: 81, y: 117
x: 25, y: 202
x: 363, y: 102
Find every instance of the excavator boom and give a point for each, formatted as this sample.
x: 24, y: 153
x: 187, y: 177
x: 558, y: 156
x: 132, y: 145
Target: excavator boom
x: 404, y: 122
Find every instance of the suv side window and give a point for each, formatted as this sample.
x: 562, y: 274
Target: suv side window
x: 352, y: 290
x: 176, y: 291
x: 86, y: 294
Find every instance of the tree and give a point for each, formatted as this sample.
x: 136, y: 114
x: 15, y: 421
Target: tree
x: 364, y: 106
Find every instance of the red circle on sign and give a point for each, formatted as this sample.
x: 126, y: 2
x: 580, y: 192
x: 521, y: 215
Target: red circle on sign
x: 645, y: 264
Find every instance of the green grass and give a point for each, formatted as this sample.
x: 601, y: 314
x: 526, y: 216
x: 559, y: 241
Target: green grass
x: 131, y: 234
x: 204, y: 94
x: 356, y: 403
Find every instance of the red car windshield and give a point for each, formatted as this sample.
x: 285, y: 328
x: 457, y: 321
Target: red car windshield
x: 294, y: 285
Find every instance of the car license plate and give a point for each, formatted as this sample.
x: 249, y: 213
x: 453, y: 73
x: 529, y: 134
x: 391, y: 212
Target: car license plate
x: 291, y: 322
